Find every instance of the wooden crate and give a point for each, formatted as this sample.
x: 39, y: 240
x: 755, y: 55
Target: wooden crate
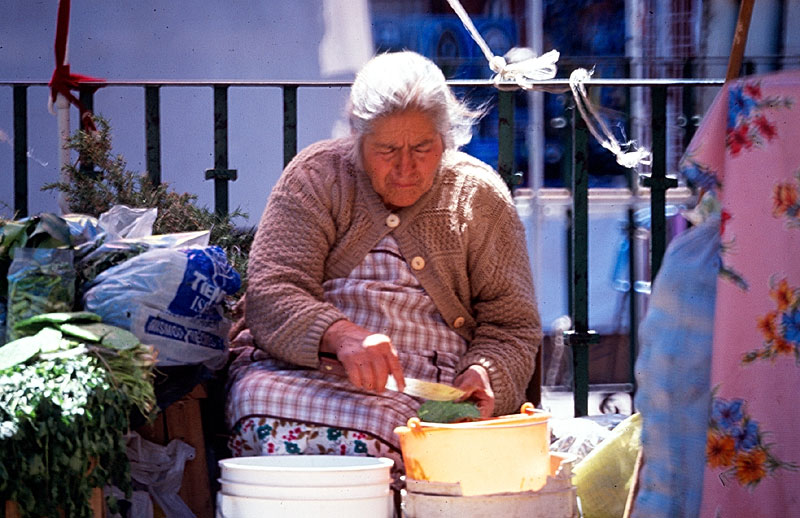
x: 183, y: 420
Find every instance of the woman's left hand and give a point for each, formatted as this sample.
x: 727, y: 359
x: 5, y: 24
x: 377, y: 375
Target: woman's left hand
x: 475, y: 382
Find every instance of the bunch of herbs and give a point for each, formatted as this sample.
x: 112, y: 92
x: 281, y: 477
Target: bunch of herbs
x: 110, y: 183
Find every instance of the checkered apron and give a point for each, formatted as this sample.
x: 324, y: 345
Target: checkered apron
x: 382, y: 295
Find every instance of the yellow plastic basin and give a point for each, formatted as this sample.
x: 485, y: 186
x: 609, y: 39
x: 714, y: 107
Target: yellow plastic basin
x: 499, y: 455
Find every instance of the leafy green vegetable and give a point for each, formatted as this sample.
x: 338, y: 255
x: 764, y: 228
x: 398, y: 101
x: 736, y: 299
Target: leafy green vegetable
x: 36, y: 323
x: 40, y: 280
x: 18, y: 351
x: 49, y: 231
x: 42, y: 320
x: 63, y: 412
x: 45, y: 230
x: 448, y: 411
x: 111, y: 336
x: 97, y: 332
x: 12, y: 234
x: 80, y: 332
x: 21, y: 350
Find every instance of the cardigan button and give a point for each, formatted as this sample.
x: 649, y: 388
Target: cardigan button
x: 459, y: 322
x: 418, y: 263
x: 392, y: 220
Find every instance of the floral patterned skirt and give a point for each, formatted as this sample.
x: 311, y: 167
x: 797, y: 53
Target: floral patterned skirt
x: 263, y: 435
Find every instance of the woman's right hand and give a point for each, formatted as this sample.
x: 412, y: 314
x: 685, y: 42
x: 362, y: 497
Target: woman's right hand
x: 475, y: 382
x: 368, y: 358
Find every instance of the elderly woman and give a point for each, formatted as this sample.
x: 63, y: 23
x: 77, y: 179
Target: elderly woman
x: 396, y: 254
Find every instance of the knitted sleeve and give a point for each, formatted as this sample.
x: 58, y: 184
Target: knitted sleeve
x: 285, y: 311
x: 508, y: 329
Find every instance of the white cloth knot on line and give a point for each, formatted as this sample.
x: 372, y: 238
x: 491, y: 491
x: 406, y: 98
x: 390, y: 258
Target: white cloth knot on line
x: 497, y: 64
x: 627, y: 154
x: 522, y: 65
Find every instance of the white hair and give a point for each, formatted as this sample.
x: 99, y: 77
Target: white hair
x: 398, y: 81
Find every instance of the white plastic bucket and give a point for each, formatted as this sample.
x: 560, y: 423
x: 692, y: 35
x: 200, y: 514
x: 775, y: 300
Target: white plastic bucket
x: 293, y: 492
x: 305, y: 485
x: 229, y: 506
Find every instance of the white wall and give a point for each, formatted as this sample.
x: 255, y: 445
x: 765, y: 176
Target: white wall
x: 179, y: 39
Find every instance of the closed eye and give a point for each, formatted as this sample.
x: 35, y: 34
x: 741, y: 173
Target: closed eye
x: 424, y: 146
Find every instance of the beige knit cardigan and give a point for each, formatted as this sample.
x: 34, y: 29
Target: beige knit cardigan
x: 463, y: 240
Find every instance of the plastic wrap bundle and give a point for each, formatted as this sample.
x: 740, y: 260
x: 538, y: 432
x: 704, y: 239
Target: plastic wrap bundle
x: 170, y: 299
x: 40, y: 280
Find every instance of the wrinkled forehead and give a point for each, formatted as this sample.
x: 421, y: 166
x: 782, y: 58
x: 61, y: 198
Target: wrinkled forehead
x: 420, y: 120
x: 409, y: 126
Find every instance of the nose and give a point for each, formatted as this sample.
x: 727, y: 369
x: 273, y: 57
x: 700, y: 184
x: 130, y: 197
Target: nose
x: 406, y: 165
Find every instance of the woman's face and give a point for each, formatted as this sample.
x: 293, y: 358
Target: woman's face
x: 401, y: 156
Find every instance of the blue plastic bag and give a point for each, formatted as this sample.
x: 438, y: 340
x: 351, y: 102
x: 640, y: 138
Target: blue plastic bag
x: 170, y: 299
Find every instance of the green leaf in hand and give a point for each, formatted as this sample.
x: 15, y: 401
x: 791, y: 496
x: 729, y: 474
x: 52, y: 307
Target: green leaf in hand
x: 448, y: 411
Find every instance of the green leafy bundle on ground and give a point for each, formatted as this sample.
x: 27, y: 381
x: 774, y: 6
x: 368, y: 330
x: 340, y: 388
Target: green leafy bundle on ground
x: 111, y: 183
x: 66, y: 393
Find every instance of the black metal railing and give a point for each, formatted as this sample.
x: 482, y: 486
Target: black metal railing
x: 580, y: 337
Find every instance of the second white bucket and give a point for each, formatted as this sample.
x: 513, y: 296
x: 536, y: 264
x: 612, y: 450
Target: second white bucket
x: 305, y: 485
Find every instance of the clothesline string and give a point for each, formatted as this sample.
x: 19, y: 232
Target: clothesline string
x: 524, y: 67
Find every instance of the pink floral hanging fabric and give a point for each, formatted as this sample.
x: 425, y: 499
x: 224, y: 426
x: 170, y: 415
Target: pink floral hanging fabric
x: 747, y: 151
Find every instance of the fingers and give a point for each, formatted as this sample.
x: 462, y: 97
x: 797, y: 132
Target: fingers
x: 396, y: 371
x: 353, y: 372
x: 369, y: 362
x: 386, y: 362
x: 475, y: 382
x: 485, y: 405
x: 368, y: 358
x: 483, y: 400
x: 379, y: 350
x: 375, y: 371
x: 243, y: 339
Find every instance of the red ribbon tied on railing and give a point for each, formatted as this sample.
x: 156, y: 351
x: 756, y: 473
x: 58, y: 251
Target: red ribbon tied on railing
x: 64, y: 81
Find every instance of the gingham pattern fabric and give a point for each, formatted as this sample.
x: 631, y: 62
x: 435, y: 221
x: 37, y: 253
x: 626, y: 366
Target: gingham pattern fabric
x: 382, y: 295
